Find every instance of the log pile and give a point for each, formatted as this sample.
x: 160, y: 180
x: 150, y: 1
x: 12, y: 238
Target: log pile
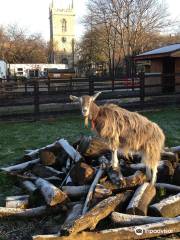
x: 76, y: 183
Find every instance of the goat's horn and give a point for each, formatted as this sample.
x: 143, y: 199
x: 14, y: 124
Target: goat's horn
x: 96, y: 95
x: 73, y: 98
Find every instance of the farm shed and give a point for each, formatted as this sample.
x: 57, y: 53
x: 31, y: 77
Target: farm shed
x: 163, y: 68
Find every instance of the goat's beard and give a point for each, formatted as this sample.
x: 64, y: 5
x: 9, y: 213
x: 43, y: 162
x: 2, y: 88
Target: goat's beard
x: 86, y: 122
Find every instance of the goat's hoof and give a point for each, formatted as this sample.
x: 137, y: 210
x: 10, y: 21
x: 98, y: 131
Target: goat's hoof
x: 115, y: 175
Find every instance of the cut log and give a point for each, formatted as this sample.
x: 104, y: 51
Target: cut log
x: 92, y: 146
x: 29, y: 186
x: 137, y: 232
x: 21, y: 166
x: 51, y: 193
x: 47, y: 157
x: 99, y: 212
x: 74, y: 214
x: 91, y: 189
x: 169, y: 187
x: 31, y: 212
x: 76, y: 191
x: 101, y: 192
x: 138, y: 178
x: 45, y: 171
x: 170, y: 156
x: 141, y: 199
x: 75, y: 155
x: 176, y: 178
x: 17, y: 201
x: 82, y: 173
x: 132, y: 220
x: 169, y: 207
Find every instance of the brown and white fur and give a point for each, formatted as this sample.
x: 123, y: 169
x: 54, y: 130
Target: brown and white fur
x: 124, y: 130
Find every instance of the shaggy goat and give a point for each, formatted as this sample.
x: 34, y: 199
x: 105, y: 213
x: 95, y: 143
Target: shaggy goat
x: 124, y: 130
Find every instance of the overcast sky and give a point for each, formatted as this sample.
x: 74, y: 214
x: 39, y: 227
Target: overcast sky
x: 33, y: 14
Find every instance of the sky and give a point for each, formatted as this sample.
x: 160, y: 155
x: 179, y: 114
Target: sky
x: 33, y: 15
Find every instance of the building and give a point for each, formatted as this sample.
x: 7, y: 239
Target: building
x: 62, y: 32
x: 164, y: 63
x: 34, y: 70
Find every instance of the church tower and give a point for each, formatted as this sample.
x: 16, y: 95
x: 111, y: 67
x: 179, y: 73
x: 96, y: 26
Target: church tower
x: 62, y: 31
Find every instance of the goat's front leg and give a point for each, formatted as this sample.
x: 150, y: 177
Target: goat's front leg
x: 115, y: 164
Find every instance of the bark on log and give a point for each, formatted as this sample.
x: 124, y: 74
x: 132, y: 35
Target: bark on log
x: 74, y: 214
x: 21, y: 166
x: 91, y: 189
x: 99, y: 212
x: 47, y: 157
x: 76, y: 191
x: 17, y: 202
x: 168, y: 207
x: 75, y: 155
x: 169, y: 187
x: 31, y: 212
x: 170, y: 156
x: 51, y: 193
x: 141, y: 199
x: 137, y: 232
x: 131, y: 220
x: 29, y: 186
x: 45, y: 171
x: 138, y: 178
x: 82, y: 173
x: 92, y: 146
x: 176, y: 178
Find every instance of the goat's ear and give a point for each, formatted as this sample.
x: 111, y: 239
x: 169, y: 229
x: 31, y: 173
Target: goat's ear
x: 73, y: 98
x: 96, y: 95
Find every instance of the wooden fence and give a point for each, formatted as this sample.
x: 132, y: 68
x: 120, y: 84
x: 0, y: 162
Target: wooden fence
x: 36, y: 96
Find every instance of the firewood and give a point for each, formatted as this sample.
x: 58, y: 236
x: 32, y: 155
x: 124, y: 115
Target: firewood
x: 29, y: 186
x: 17, y: 201
x: 131, y: 220
x: 169, y: 187
x: 47, y: 157
x: 170, y: 156
x: 31, y: 212
x: 21, y: 166
x: 76, y: 191
x: 91, y: 189
x: 93, y: 146
x: 101, y: 192
x: 168, y: 207
x: 51, y: 193
x: 75, y: 155
x: 74, y: 214
x: 82, y: 173
x: 132, y: 181
x: 146, y: 231
x: 141, y: 199
x: 99, y: 212
x: 46, y: 171
x: 176, y: 178
x: 35, y: 153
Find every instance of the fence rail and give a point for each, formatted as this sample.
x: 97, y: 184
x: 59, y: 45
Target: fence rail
x: 36, y: 93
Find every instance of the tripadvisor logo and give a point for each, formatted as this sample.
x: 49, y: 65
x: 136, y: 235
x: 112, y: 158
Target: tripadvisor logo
x: 138, y: 231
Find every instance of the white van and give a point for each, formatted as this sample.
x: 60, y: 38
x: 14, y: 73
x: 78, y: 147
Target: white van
x: 3, y: 69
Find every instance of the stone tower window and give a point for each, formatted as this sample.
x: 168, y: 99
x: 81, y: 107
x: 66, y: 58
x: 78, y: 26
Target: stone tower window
x: 64, y: 25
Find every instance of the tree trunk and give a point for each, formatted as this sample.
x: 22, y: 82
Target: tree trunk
x: 52, y: 194
x: 99, y: 212
x: 169, y: 207
x: 141, y: 199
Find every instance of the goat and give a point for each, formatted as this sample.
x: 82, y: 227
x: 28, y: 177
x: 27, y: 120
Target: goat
x: 124, y: 130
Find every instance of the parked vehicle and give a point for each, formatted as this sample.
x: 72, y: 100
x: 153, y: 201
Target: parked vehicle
x: 3, y: 69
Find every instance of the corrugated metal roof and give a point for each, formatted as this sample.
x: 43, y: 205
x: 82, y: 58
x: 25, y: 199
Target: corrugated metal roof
x: 166, y: 49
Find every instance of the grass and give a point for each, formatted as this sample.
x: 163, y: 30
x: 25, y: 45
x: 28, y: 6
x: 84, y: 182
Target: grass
x: 16, y: 137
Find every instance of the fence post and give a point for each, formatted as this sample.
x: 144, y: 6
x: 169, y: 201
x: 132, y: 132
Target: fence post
x: 113, y: 82
x: 91, y: 86
x: 36, y: 100
x: 142, y: 86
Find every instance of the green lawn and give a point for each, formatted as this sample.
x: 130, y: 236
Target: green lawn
x: 16, y: 137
